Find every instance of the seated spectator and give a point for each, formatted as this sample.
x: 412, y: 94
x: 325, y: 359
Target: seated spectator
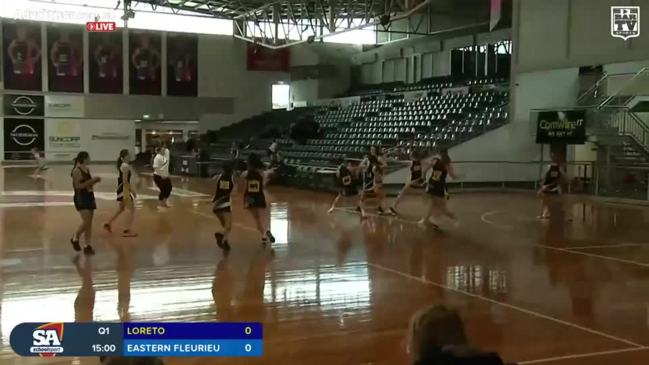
x: 436, y: 337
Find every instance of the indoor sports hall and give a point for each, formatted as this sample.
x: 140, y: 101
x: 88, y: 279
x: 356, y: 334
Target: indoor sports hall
x: 422, y: 182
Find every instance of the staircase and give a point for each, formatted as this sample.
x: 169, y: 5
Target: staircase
x: 621, y: 136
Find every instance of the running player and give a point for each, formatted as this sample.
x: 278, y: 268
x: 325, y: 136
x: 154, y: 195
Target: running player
x: 161, y: 175
x: 254, y: 198
x: 222, y: 205
x: 372, y: 185
x: 84, y: 201
x: 436, y: 188
x: 550, y: 190
x: 346, y: 181
x: 417, y: 180
x: 41, y: 166
x: 125, y: 195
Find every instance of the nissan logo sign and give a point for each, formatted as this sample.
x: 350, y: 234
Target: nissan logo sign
x: 24, y: 135
x: 23, y: 105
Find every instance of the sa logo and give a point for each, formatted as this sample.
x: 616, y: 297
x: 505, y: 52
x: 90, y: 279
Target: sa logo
x: 47, y: 339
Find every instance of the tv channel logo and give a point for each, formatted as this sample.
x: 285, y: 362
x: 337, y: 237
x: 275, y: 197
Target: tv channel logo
x: 47, y: 340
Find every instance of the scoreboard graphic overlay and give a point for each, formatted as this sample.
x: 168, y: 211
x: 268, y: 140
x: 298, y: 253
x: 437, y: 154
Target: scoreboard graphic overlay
x: 222, y: 339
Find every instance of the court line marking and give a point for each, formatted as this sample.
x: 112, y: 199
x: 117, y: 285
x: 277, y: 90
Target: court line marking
x: 240, y: 225
x: 624, y: 261
x: 619, y: 245
x: 509, y: 306
x: 484, y: 218
x: 579, y: 356
x: 572, y: 250
x: 394, y: 217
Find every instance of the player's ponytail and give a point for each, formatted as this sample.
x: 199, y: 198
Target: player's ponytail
x: 122, y: 155
x: 82, y: 157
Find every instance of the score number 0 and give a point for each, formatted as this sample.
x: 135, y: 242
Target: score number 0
x: 247, y: 347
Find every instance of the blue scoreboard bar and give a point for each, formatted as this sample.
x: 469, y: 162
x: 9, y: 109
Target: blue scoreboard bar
x: 223, y: 339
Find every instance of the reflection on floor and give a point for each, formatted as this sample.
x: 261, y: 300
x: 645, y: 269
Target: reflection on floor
x: 334, y: 290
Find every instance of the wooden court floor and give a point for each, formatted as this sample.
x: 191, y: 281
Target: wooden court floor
x: 334, y: 290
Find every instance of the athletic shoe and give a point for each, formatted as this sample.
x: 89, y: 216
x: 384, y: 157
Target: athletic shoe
x: 75, y: 245
x: 88, y: 250
x: 270, y: 237
x: 219, y: 239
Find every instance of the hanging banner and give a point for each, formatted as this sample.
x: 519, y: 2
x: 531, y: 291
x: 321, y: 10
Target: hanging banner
x: 105, y: 62
x: 144, y: 63
x: 22, y: 56
x: 182, y: 65
x: 495, y: 13
x: 65, y: 66
x: 566, y: 126
x: 20, y: 136
x: 263, y: 59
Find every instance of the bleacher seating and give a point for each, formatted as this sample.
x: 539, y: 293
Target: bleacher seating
x: 441, y: 117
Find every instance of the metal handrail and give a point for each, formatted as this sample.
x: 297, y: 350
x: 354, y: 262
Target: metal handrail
x: 594, y: 86
x: 605, y: 101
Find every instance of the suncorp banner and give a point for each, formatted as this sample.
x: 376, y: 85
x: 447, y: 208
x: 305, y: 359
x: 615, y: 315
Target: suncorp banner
x: 102, y: 139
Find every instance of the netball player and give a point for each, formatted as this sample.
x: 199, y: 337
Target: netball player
x: 550, y: 191
x: 84, y: 201
x: 41, y: 166
x: 417, y: 181
x: 161, y: 175
x: 125, y: 195
x: 346, y: 181
x: 373, y: 185
x: 254, y: 198
x: 436, y: 188
x: 222, y: 204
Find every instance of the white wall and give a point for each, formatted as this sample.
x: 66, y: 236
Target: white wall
x: 337, y: 55
x: 516, y: 141
x: 555, y: 34
x: 222, y: 71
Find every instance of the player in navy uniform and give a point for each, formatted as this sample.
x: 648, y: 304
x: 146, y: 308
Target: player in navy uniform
x: 125, y: 195
x: 373, y: 184
x: 436, y: 188
x: 417, y: 180
x: 84, y: 200
x: 550, y: 190
x: 346, y: 181
x: 222, y: 205
x: 254, y: 198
